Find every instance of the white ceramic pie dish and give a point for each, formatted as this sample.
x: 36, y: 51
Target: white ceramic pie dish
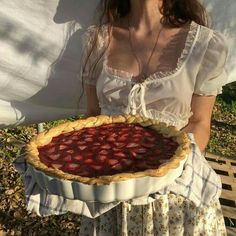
x: 117, y: 191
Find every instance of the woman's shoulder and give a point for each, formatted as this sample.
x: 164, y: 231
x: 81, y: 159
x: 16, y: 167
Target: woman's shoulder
x: 208, y: 35
x: 101, y: 30
x: 92, y: 31
x: 212, y: 50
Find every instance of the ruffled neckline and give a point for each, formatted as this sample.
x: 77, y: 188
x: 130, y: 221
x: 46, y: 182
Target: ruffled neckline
x: 159, y: 75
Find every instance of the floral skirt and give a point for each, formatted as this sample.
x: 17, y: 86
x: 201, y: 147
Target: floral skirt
x: 169, y: 215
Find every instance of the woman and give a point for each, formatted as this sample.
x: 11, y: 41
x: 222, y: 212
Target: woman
x: 157, y: 59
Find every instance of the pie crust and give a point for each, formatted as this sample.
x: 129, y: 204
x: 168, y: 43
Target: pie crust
x: 46, y: 137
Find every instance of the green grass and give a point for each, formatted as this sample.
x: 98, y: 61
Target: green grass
x: 14, y: 218
x: 223, y: 130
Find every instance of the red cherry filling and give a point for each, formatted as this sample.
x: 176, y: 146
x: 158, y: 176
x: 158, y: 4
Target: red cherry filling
x: 107, y: 150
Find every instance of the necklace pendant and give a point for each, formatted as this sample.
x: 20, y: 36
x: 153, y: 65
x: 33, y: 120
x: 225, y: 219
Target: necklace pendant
x: 143, y: 77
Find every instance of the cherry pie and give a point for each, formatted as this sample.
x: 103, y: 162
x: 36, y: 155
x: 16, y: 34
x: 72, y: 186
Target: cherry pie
x: 104, y: 149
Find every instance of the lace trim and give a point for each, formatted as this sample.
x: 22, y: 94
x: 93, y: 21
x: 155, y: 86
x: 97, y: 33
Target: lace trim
x: 89, y: 35
x: 189, y: 44
x: 117, y: 73
x: 178, y: 121
x: 169, y: 118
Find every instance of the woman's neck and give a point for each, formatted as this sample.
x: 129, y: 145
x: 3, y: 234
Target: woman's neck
x: 144, y: 15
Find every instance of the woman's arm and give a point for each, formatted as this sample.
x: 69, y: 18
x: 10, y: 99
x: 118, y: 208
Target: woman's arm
x: 200, y: 122
x: 93, y: 108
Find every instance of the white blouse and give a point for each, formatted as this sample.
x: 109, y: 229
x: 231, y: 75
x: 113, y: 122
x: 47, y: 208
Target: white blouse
x: 163, y: 95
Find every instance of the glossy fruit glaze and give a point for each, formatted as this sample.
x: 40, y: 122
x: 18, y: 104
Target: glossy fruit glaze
x: 107, y: 150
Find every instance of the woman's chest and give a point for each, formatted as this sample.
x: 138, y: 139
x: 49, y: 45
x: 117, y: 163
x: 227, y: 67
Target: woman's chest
x: 158, y: 52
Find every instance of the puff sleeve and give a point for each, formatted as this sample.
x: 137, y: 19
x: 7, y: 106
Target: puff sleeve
x: 89, y: 73
x: 212, y: 75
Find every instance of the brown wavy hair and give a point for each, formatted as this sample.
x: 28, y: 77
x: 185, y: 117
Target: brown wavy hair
x: 175, y: 14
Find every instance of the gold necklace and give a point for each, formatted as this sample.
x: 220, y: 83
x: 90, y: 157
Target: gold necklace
x: 142, y: 73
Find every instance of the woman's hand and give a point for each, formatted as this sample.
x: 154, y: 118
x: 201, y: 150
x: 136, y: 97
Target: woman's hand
x: 200, y: 122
